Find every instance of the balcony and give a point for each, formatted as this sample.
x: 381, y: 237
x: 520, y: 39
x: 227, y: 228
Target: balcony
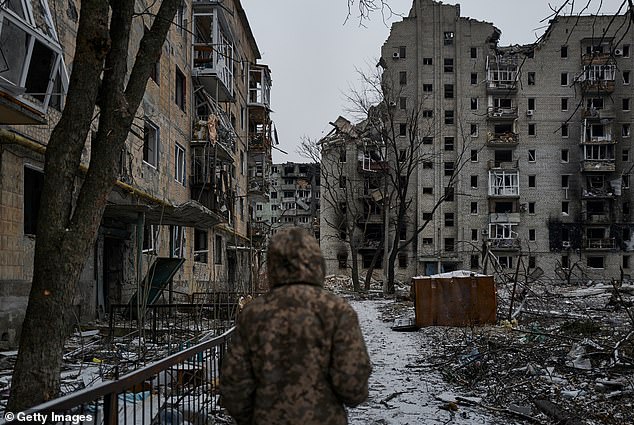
x: 372, y: 166
x: 259, y: 87
x: 507, y: 138
x: 501, y: 73
x: 596, y: 218
x: 502, y: 113
x: 504, y: 184
x: 504, y: 218
x: 595, y: 59
x: 503, y: 165
x: 512, y: 244
x: 599, y: 244
x: 598, y: 166
x: 213, y: 52
x: 32, y: 74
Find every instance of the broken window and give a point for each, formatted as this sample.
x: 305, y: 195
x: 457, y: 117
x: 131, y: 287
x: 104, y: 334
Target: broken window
x: 218, y: 250
x: 626, y: 104
x: 564, y: 130
x: 150, y: 143
x: 531, y: 129
x: 449, y: 91
x: 180, y: 90
x: 531, y: 155
x: 402, y: 260
x: 177, y: 241
x: 427, y: 61
x: 449, y: 244
x: 449, y: 143
x: 565, y: 181
x: 449, y: 219
x: 448, y: 38
x: 474, y: 78
x: 563, y: 51
x: 180, y: 171
x: 150, y: 239
x: 402, y: 103
x: 531, y: 78
x: 595, y: 262
x: 474, y: 53
x: 564, y: 155
x: 342, y: 259
x: 532, y: 235
x: 448, y: 65
x: 626, y: 77
x: 564, y: 103
x: 506, y: 261
x: 200, y: 246
x: 402, y: 129
x: 402, y: 78
x: 474, y: 103
x: 33, y: 183
x: 449, y: 117
x: 474, y: 182
x: 564, y: 79
x: 474, y: 234
x: 402, y: 52
x: 474, y: 207
x: 474, y: 155
x: 475, y: 261
x: 428, y: 140
x: 473, y: 130
x: 449, y: 168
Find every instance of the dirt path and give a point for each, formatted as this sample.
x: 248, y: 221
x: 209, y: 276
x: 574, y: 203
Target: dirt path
x: 400, y: 394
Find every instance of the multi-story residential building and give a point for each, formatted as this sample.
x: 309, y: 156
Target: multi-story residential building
x: 534, y: 139
x: 184, y: 181
x: 293, y: 198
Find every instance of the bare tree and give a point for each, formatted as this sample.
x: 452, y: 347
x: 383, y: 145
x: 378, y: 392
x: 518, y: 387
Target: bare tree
x: 402, y: 132
x: 69, y: 219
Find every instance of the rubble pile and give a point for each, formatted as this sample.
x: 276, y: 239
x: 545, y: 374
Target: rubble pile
x: 559, y: 354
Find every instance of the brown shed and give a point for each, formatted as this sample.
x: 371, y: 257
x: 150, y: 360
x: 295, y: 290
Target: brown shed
x: 458, y: 298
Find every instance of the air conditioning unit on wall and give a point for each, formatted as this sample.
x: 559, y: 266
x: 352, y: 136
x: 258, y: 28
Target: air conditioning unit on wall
x: 565, y: 244
x: 529, y: 113
x: 618, y: 52
x: 395, y: 55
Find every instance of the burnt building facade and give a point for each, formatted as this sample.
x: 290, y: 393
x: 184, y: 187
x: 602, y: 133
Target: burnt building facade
x: 188, y: 173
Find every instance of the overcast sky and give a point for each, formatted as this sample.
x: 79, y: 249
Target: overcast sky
x: 313, y: 55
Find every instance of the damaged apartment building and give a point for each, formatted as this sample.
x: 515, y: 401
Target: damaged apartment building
x: 529, y: 144
x: 196, y: 159
x: 293, y: 198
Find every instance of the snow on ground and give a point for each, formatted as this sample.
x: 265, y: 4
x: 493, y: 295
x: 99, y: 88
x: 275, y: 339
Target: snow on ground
x: 399, y: 394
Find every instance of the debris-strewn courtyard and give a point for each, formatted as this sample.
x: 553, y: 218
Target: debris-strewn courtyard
x: 565, y: 356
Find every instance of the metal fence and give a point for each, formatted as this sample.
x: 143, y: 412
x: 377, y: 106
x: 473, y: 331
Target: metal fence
x: 172, y: 323
x: 182, y: 388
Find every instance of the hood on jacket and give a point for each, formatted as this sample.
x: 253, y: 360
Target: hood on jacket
x: 294, y: 256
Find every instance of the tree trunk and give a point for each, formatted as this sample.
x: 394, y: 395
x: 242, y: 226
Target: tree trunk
x: 65, y: 237
x: 355, y: 267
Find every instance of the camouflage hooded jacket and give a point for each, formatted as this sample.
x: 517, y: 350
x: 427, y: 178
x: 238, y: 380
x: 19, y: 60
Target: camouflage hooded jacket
x: 297, y: 356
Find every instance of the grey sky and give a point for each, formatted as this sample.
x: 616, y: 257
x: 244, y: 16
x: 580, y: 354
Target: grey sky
x: 313, y: 55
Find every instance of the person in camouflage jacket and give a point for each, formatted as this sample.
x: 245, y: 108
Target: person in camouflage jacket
x: 297, y: 355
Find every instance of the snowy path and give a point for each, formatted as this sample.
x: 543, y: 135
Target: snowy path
x: 400, y: 395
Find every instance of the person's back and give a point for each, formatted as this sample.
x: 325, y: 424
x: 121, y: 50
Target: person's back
x: 298, y: 354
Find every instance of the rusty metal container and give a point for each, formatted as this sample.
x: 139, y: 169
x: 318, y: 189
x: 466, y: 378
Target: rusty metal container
x: 454, y: 299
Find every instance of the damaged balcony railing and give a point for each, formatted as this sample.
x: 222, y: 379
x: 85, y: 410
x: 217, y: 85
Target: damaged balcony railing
x: 172, y: 323
x: 182, y: 388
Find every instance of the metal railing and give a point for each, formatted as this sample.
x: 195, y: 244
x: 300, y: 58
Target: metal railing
x: 172, y: 323
x: 182, y: 388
